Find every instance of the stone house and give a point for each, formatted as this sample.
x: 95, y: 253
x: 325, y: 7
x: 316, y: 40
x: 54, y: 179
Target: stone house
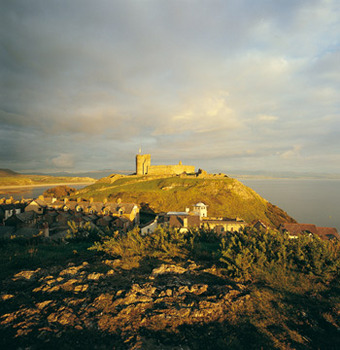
x: 223, y: 225
x: 296, y: 229
x: 183, y: 221
x: 25, y: 219
x: 9, y: 209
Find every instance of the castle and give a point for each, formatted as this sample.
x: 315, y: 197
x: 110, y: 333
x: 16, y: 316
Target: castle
x: 144, y: 167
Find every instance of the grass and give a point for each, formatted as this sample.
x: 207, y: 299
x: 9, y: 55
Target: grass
x: 279, y: 306
x: 225, y: 197
x: 16, y: 256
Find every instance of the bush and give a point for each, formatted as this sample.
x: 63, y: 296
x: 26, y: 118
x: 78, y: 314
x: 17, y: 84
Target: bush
x: 250, y: 250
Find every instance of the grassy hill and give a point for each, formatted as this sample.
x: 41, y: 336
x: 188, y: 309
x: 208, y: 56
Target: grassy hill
x: 8, y: 172
x: 7, y: 179
x: 224, y: 196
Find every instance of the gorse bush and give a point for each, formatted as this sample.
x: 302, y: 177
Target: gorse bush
x: 250, y: 250
x: 243, y: 254
x: 86, y: 232
x: 164, y: 242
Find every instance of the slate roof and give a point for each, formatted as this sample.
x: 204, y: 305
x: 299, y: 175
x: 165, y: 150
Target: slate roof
x: 114, y: 208
x: 324, y: 233
x: 27, y: 216
x: 327, y: 233
x: 295, y: 228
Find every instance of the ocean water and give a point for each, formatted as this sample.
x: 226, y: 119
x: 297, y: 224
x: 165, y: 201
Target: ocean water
x: 307, y: 201
x: 31, y: 192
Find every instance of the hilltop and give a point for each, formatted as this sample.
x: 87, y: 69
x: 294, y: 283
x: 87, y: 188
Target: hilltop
x: 8, y: 172
x: 224, y: 196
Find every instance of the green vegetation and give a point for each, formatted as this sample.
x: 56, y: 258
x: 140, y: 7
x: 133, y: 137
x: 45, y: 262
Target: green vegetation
x: 19, y: 254
x: 245, y: 255
x: 293, y: 284
x: 224, y: 196
x: 167, y: 290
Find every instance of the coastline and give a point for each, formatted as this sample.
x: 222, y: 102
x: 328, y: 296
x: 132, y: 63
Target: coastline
x: 13, y: 187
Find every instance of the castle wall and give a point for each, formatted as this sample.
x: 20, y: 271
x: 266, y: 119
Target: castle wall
x: 143, y: 162
x: 170, y: 169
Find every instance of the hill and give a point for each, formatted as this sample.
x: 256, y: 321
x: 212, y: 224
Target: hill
x: 34, y: 180
x: 8, y: 172
x: 224, y: 196
x: 247, y: 290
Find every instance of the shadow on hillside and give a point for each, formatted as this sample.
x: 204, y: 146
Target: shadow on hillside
x: 194, y: 337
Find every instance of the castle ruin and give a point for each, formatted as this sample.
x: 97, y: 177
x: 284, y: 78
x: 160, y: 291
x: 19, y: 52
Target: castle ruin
x: 144, y: 167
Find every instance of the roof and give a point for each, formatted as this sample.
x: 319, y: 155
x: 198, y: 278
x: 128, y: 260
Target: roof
x: 199, y: 204
x: 181, y: 213
x: 327, y: 233
x: 224, y: 221
x: 26, y: 216
x: 295, y: 228
x: 324, y: 233
x: 127, y: 208
x: 177, y: 221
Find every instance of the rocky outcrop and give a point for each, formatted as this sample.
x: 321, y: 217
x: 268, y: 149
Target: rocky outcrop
x: 131, y: 308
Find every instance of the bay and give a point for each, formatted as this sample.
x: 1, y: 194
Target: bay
x: 32, y: 192
x: 311, y: 201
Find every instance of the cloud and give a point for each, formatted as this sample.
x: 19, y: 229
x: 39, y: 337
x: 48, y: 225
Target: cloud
x: 292, y: 153
x: 63, y: 161
x: 267, y: 118
x: 230, y: 79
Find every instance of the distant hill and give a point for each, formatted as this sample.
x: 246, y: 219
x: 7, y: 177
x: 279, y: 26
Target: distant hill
x: 8, y: 172
x: 32, y: 180
x: 224, y: 196
x: 96, y: 174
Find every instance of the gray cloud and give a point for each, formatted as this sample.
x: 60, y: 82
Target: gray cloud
x: 240, y: 82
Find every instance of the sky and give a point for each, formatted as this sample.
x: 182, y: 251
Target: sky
x: 225, y: 85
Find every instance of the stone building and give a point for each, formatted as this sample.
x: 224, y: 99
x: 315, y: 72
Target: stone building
x: 144, y: 167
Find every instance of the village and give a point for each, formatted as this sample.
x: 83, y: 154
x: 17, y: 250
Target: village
x: 51, y: 219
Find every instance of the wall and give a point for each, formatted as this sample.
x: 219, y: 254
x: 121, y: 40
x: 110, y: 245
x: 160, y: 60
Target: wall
x: 170, y: 169
x: 143, y: 162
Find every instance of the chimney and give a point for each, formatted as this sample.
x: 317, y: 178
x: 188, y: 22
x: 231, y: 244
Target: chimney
x: 185, y: 222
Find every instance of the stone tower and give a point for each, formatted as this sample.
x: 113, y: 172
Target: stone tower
x: 143, y: 162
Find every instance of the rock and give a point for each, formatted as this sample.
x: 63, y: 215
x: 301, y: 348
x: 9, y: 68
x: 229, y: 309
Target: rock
x: 43, y: 304
x: 5, y: 297
x: 27, y: 275
x: 95, y: 276
x: 73, y: 270
x: 167, y: 269
x: 81, y: 288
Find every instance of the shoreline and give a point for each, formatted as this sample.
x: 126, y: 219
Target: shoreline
x: 13, y: 187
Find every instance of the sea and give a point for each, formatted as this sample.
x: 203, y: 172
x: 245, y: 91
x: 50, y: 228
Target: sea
x: 312, y: 201
x: 31, y: 192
